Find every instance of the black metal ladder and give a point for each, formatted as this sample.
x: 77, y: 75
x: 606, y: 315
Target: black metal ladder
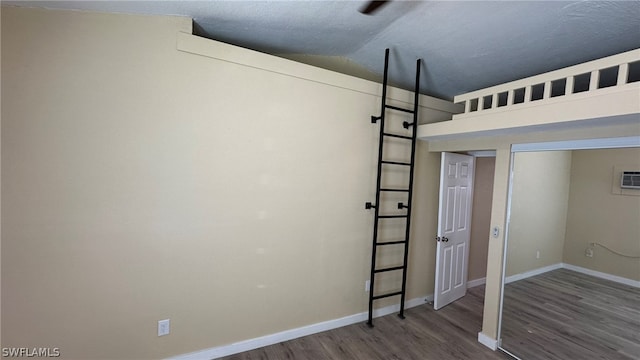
x: 379, y: 189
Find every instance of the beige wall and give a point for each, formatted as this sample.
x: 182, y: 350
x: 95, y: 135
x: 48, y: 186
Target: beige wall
x: 481, y: 216
x: 598, y: 212
x: 218, y: 187
x: 539, y: 201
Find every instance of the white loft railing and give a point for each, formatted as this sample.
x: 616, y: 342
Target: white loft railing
x: 586, y: 78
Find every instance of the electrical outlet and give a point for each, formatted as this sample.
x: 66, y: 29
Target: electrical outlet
x: 588, y: 252
x: 538, y: 254
x: 367, y: 285
x: 164, y: 327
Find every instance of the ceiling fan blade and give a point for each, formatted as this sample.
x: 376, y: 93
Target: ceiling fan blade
x: 372, y: 7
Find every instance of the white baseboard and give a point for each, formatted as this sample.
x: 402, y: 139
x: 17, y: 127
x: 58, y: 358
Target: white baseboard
x: 533, y: 272
x: 476, y: 282
x: 246, y: 345
x: 575, y: 268
x: 487, y: 341
x: 598, y: 274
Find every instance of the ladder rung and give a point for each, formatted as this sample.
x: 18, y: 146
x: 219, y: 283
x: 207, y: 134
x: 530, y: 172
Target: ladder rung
x: 395, y: 163
x: 391, y: 216
x: 391, y: 242
x: 398, y: 190
x: 386, y: 295
x: 389, y: 269
x: 398, y: 136
x: 399, y: 109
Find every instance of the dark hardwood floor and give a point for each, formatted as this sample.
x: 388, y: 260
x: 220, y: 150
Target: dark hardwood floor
x: 568, y: 315
x: 449, y: 333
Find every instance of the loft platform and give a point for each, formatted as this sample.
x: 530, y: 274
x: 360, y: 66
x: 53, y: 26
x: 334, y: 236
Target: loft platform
x: 601, y: 92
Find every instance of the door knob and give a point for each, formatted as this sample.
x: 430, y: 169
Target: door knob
x: 445, y: 239
x: 438, y: 238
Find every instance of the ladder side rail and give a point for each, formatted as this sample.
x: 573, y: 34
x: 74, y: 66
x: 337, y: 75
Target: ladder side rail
x: 378, y: 183
x: 409, y: 201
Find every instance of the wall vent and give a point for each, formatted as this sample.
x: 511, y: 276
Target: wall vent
x: 630, y: 180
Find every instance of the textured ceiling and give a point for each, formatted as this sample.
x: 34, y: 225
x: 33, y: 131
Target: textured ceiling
x: 465, y: 45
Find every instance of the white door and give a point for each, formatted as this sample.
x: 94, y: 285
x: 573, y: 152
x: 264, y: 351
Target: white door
x: 454, y: 221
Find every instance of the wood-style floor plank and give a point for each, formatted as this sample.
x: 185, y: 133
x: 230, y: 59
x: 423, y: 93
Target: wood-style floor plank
x: 568, y: 315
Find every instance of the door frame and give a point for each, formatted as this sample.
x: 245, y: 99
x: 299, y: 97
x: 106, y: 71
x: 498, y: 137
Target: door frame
x: 585, y: 144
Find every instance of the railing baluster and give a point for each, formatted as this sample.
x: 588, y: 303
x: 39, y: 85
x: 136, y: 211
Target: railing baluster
x: 595, y: 77
x: 568, y: 90
x: 547, y: 90
x: 623, y: 74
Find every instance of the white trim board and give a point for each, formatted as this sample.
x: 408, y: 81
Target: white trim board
x: 534, y: 272
x: 482, y: 153
x: 598, y: 274
x: 487, y: 341
x: 476, y: 282
x: 255, y: 343
x: 606, y: 143
x: 594, y: 273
